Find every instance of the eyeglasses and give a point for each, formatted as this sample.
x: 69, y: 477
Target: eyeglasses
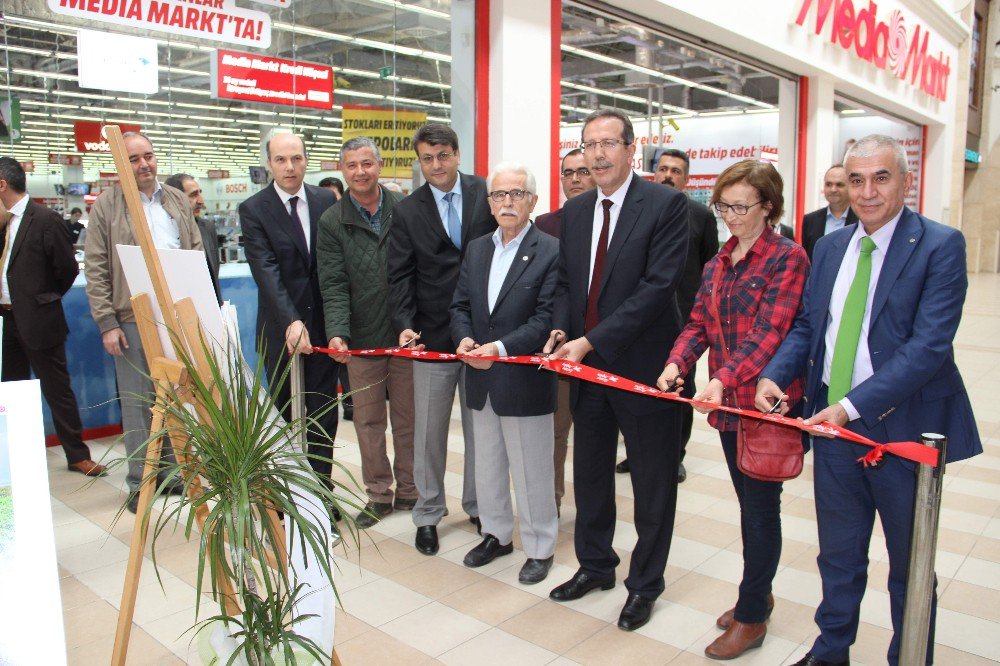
x: 582, y: 172
x: 739, y: 209
x: 440, y: 157
x: 606, y: 144
x: 499, y: 196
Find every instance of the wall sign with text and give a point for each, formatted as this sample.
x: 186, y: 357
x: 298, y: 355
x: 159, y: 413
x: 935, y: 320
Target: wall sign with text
x: 90, y: 136
x: 218, y: 20
x: 258, y: 78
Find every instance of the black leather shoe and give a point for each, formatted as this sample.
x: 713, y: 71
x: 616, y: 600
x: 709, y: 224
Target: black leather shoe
x: 372, y: 514
x: 427, y: 539
x: 682, y: 474
x: 622, y: 467
x: 404, y: 504
x: 133, y: 502
x: 487, y: 551
x: 579, y: 585
x: 348, y: 411
x: 478, y: 523
x: 810, y: 660
x: 635, y: 613
x: 534, y: 571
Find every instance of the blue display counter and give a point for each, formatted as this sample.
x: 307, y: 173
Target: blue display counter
x: 92, y: 370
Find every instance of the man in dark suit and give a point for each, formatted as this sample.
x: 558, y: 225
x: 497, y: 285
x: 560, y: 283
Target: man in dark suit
x: 74, y: 225
x: 432, y: 228
x: 279, y: 233
x: 576, y: 179
x: 673, y: 168
x: 503, y: 307
x: 39, y: 267
x: 616, y: 310
x: 875, y: 341
x: 187, y: 184
x: 836, y: 215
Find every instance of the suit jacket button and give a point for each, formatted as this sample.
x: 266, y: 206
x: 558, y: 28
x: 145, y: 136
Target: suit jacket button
x: 810, y: 363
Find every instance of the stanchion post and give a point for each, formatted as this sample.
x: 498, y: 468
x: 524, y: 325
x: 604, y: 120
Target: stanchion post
x: 923, y: 546
x: 296, y: 385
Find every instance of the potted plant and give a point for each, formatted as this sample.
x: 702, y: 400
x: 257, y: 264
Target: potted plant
x: 243, y: 457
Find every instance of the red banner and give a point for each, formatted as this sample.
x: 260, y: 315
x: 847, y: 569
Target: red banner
x: 910, y: 450
x: 90, y: 137
x: 259, y: 78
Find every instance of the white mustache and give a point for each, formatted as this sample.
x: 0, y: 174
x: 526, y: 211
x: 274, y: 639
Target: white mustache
x: 508, y: 210
x: 602, y: 164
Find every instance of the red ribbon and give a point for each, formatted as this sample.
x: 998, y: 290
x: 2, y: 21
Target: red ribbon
x: 912, y: 451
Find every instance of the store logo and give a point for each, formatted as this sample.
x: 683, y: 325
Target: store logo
x: 893, y: 46
x: 91, y: 137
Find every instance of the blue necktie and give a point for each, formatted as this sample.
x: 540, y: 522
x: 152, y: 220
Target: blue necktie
x: 454, y: 224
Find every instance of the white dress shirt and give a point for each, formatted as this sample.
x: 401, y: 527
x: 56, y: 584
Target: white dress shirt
x: 166, y: 233
x: 302, y: 206
x: 503, y: 258
x: 833, y: 222
x: 17, y: 212
x: 848, y: 267
x: 617, y: 199
x: 442, y: 205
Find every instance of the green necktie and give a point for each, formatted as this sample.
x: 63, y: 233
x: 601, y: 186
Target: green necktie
x: 846, y: 349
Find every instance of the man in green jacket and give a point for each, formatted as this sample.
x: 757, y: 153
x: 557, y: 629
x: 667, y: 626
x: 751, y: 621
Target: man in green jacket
x: 351, y: 254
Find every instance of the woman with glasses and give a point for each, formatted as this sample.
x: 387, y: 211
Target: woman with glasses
x: 749, y: 297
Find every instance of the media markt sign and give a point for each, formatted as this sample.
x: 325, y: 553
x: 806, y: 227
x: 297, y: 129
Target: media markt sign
x: 890, y: 40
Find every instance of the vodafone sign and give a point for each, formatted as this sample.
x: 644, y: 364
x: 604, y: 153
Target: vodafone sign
x: 90, y: 136
x: 890, y: 40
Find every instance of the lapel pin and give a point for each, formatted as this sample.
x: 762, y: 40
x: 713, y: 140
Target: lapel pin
x: 913, y: 240
x: 524, y: 258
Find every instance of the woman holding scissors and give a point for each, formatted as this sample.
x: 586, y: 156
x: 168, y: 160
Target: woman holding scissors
x: 749, y: 297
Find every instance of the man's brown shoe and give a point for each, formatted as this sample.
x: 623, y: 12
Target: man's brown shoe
x: 88, y: 468
x: 739, y: 638
x: 726, y: 619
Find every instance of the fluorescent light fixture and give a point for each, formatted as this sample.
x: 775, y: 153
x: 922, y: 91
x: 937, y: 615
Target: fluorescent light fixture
x: 622, y: 96
x: 852, y: 112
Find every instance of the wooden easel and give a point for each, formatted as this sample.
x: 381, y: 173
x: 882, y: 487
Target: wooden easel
x: 182, y: 321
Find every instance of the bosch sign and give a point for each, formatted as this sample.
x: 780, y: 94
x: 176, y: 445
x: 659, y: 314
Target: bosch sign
x: 889, y: 42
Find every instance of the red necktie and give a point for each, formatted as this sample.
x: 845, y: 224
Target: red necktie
x: 592, y: 318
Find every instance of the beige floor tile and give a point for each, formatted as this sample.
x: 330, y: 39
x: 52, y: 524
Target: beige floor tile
x: 536, y: 624
x: 381, y: 601
x: 87, y: 622
x: 349, y: 627
x: 435, y: 577
x: 377, y: 648
x: 497, y: 647
x: 701, y: 592
x: 986, y: 548
x: 74, y: 593
x: 92, y: 555
x: 490, y: 601
x: 434, y: 629
x: 708, y: 531
x: 613, y: 647
x: 976, y: 600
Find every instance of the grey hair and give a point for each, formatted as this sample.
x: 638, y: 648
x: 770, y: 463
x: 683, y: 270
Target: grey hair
x: 359, y: 142
x: 513, y: 167
x: 873, y: 143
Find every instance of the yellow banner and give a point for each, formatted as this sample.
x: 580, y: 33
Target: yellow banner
x: 391, y: 130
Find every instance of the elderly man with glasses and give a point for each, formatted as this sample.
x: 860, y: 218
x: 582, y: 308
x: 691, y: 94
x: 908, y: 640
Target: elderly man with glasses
x: 511, y: 405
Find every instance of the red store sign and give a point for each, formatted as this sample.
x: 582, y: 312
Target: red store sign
x: 892, y: 41
x: 90, y: 137
x: 218, y: 173
x: 256, y: 78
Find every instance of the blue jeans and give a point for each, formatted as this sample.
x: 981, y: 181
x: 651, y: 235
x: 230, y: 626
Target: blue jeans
x: 760, y: 525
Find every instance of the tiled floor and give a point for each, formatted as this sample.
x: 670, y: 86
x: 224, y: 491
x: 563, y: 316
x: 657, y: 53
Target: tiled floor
x: 400, y: 607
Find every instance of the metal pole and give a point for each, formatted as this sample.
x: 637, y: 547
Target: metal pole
x: 923, y: 546
x: 296, y: 385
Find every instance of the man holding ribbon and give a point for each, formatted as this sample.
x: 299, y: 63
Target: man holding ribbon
x: 432, y: 228
x: 875, y: 335
x: 616, y: 311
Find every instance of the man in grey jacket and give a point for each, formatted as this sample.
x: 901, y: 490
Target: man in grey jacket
x: 172, y: 225
x: 352, y: 256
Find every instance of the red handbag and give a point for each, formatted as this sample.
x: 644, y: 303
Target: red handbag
x: 764, y: 451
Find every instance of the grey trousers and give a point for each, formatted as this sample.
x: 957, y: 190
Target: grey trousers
x: 136, y: 395
x: 518, y: 448
x: 433, y: 396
